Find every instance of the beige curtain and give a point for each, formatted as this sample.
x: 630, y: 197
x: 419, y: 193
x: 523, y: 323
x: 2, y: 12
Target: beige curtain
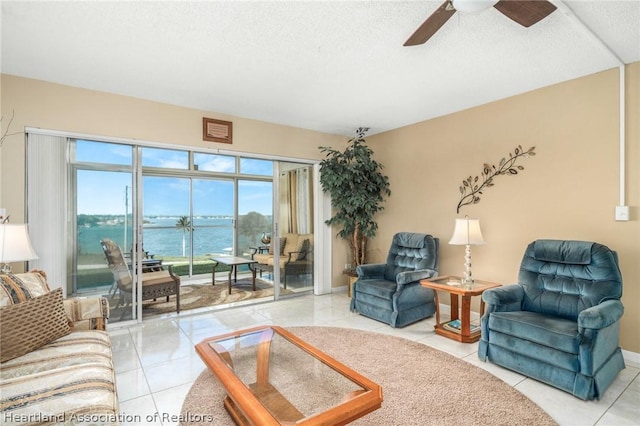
x: 296, y: 201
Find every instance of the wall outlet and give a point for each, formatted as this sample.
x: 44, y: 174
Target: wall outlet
x: 622, y: 213
x: 347, y: 266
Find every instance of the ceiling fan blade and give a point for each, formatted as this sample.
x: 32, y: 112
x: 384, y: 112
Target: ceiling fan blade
x: 431, y: 25
x: 525, y: 12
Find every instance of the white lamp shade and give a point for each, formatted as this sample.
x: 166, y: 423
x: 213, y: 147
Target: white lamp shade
x: 473, y: 6
x: 15, y: 245
x: 467, y: 231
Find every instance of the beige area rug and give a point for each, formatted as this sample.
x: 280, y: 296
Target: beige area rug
x: 420, y: 385
x: 194, y: 296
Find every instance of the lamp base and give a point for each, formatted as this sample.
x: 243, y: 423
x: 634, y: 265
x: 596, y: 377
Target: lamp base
x: 467, y: 281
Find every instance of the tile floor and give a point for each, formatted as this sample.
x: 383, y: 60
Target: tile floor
x: 156, y: 364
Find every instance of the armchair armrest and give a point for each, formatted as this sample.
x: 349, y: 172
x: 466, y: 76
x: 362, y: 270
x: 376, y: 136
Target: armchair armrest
x: 602, y: 315
x: 371, y: 270
x: 503, y: 297
x: 410, y: 276
x: 87, y: 313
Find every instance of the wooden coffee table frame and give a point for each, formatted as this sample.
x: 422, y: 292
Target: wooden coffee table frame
x: 247, y: 409
x: 456, y: 292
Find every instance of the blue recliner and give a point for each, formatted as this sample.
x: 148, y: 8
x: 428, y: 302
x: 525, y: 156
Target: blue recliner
x: 561, y: 323
x: 391, y: 292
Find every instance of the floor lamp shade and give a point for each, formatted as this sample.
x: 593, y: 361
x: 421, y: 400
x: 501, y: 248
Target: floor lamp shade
x: 15, y: 245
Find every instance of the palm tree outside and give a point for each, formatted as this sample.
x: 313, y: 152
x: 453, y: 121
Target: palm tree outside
x: 184, y: 224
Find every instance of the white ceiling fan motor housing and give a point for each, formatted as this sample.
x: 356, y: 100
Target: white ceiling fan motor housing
x: 473, y: 6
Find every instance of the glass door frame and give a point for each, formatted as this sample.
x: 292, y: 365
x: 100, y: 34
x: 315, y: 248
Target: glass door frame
x: 322, y: 206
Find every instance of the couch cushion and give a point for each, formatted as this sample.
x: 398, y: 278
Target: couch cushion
x: 87, y: 313
x: 66, y: 395
x: 262, y: 258
x: 564, y: 287
x: 559, y: 251
x: 79, y: 347
x: 376, y: 287
x: 17, y: 288
x: 282, y: 243
x: 558, y: 333
x: 291, y: 244
x: 31, y: 324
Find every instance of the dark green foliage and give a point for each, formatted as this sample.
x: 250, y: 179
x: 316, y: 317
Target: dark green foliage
x: 357, y: 188
x: 252, y: 225
x: 472, y: 188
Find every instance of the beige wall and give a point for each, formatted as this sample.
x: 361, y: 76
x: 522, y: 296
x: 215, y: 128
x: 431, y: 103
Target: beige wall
x: 567, y: 191
x: 57, y: 107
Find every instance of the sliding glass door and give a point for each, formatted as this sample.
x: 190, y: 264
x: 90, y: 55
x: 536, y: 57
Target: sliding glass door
x: 103, y: 255
x: 169, y: 207
x: 296, y: 227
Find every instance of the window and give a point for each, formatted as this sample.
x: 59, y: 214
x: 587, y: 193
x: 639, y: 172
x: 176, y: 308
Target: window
x: 165, y: 158
x: 214, y: 163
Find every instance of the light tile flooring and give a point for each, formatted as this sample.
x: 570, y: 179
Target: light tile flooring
x: 156, y: 364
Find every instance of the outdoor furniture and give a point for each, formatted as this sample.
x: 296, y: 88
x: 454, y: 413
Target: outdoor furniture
x: 163, y: 283
x: 391, y: 292
x: 296, y: 256
x: 233, y: 262
x: 560, y: 324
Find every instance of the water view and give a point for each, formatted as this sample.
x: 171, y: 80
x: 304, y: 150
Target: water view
x: 160, y: 235
x: 163, y: 240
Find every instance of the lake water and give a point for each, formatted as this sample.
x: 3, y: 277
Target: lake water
x: 161, y: 237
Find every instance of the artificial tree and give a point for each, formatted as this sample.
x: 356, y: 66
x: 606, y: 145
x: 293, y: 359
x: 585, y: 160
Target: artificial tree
x: 357, y: 188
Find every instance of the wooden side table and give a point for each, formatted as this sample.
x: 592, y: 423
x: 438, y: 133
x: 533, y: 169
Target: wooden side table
x: 459, y: 327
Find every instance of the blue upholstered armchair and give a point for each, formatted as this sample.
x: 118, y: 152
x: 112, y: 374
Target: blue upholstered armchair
x: 391, y: 292
x: 560, y: 324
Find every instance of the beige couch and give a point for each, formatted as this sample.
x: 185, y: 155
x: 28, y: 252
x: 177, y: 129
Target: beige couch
x: 296, y: 256
x: 66, y: 375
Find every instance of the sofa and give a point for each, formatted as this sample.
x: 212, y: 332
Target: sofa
x: 56, y: 358
x: 296, y: 256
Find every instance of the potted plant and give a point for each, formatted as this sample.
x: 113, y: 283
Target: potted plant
x: 357, y: 188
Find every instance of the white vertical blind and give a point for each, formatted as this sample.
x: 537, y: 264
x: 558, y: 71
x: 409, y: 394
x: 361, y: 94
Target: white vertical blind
x: 46, y: 205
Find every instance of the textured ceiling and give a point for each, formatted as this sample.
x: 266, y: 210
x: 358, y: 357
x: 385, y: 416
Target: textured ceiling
x: 323, y: 65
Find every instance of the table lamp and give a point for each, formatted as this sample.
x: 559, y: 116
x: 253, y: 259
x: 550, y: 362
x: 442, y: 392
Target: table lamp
x: 467, y: 232
x: 15, y: 245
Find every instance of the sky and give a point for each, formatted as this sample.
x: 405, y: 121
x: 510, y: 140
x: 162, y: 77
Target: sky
x: 110, y: 192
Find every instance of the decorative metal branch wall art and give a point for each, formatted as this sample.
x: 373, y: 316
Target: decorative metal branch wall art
x: 472, y: 188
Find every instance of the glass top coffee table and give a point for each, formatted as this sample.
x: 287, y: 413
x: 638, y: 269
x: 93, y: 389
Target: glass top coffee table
x: 273, y: 377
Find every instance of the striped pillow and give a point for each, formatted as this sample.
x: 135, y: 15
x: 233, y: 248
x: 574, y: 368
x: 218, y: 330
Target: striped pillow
x: 18, y: 288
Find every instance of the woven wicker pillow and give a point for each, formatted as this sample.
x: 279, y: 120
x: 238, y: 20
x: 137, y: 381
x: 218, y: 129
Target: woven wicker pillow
x: 31, y: 324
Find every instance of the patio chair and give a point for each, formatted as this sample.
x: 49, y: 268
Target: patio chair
x: 155, y: 284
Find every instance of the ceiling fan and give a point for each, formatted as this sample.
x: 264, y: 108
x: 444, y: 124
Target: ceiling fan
x: 524, y: 12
